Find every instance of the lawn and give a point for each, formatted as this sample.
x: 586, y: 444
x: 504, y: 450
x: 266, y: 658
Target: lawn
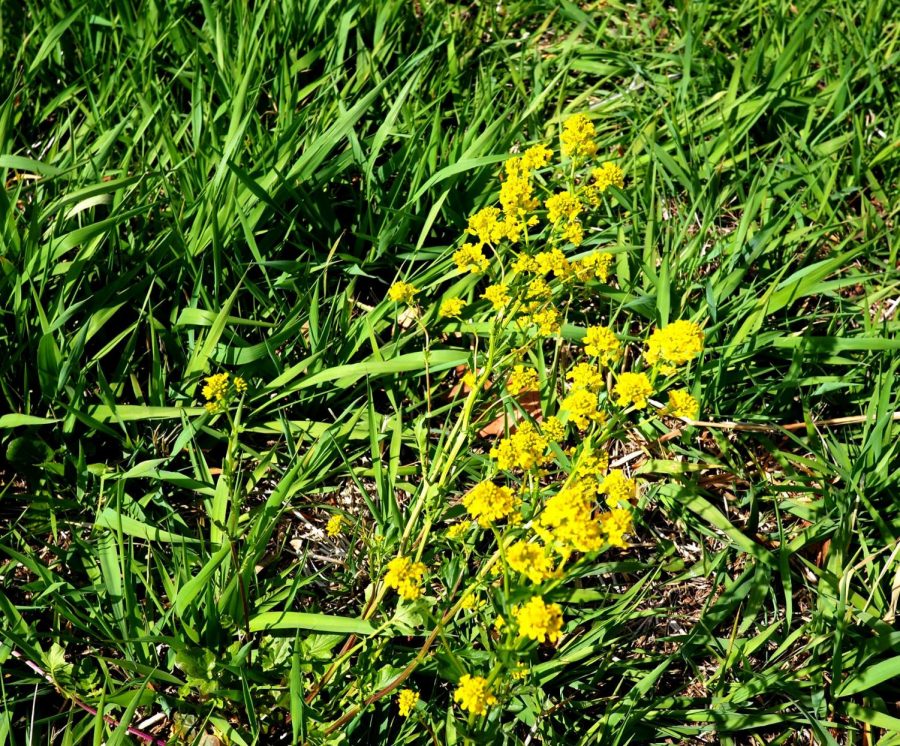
x: 449, y: 373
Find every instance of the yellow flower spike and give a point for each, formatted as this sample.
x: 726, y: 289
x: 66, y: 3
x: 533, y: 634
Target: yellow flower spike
x: 470, y: 258
x: 586, y: 376
x: 406, y: 701
x: 563, y: 206
x: 402, y: 292
x: 451, y: 307
x: 577, y: 137
x: 601, y: 342
x: 474, y: 695
x: 216, y: 387
x: 538, y: 620
x: 581, y: 406
x: 498, y: 295
x: 335, y: 524
x: 522, y: 379
x: 524, y: 449
x: 487, y: 502
x: 674, y: 345
x: 618, y: 488
x: 607, y: 175
x: 681, y: 404
x: 531, y: 560
x: 405, y: 576
x: 552, y: 261
x: 632, y: 388
x: 240, y: 385
x: 553, y: 429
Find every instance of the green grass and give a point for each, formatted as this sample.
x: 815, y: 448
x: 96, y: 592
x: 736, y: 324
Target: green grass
x: 196, y: 187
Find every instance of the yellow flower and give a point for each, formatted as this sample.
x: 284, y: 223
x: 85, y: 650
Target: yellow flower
x: 471, y: 601
x: 470, y: 258
x: 451, y: 307
x: 457, y: 530
x: 522, y: 379
x: 594, y: 266
x: 538, y: 289
x: 617, y: 488
x: 553, y: 429
x: 591, y: 465
x: 524, y: 449
x: 573, y: 232
x: 568, y: 521
x: 602, y: 342
x: 586, y: 376
x: 632, y: 388
x: 516, y: 198
x: 216, y: 387
x: 487, y: 226
x: 488, y: 502
x: 581, y: 405
x: 531, y: 560
x: 682, y: 404
x: 520, y: 672
x: 607, y: 175
x: 524, y: 263
x: 402, y: 292
x: 563, y: 206
x: 240, y: 385
x: 474, y: 694
x: 552, y: 261
x: 405, y: 576
x: 406, y: 701
x: 538, y: 620
x: 499, y: 623
x: 616, y: 523
x: 333, y: 528
x: 675, y: 344
x: 578, y: 137
x: 498, y: 295
x: 537, y: 156
x: 545, y: 319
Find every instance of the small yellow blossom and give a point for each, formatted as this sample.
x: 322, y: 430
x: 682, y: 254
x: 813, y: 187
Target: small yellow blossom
x: 563, y: 206
x: 538, y: 620
x: 594, y: 266
x: 406, y: 577
x: 470, y: 258
x: 546, y: 320
x: 581, y: 405
x: 471, y: 601
x: 573, y: 232
x: 682, y: 404
x: 607, y: 175
x: 499, y: 623
x: 488, y: 502
x: 451, y: 307
x: 487, y: 226
x: 618, y: 488
x: 632, y: 388
x: 402, y: 292
x: 586, y: 376
x: 516, y: 198
x: 577, y: 137
x: 553, y: 429
x: 675, y: 344
x: 524, y: 263
x: 523, y: 449
x: 531, y: 560
x: 537, y: 156
x: 406, y: 701
x: 333, y: 528
x: 519, y: 672
x: 552, y: 261
x: 240, y: 385
x: 216, y: 387
x: 591, y: 464
x: 457, y: 530
x: 474, y: 694
x: 538, y: 289
x: 616, y: 523
x: 498, y: 295
x: 568, y: 519
x: 602, y: 342
x: 522, y: 379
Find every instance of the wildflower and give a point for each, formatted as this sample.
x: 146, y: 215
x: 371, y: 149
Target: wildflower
x: 591, y: 464
x: 474, y: 694
x: 516, y: 197
x: 616, y: 523
x: 470, y: 379
x: 633, y: 388
x: 487, y: 226
x: 681, y: 404
x: 675, y: 344
x: 522, y: 379
x: 538, y: 289
x: 498, y: 295
x: 563, y: 205
x: 594, y: 266
x: 546, y: 320
x: 553, y: 429
x: 451, y: 307
x: 573, y: 232
x: 240, y: 385
x: 402, y: 292
x: 499, y: 623
x: 581, y: 405
x: 538, y: 620
x: 568, y: 521
x: 488, y: 502
x: 333, y: 527
x: 524, y: 449
x: 577, y: 137
x: 470, y: 258
x: 617, y: 488
x: 531, y: 560
x: 406, y: 701
x: 602, y: 342
x: 552, y: 261
x: 457, y: 530
x: 405, y: 576
x: 537, y: 156
x: 585, y: 376
x: 607, y: 175
x: 524, y: 263
x: 216, y: 387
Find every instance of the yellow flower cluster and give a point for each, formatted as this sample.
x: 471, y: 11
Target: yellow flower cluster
x: 577, y: 137
x: 632, y: 388
x: 616, y: 523
x: 522, y: 379
x: 451, y: 307
x: 607, y: 175
x: 470, y: 258
x: 538, y: 620
x: 334, y: 525
x: 567, y: 521
x: 546, y: 319
x: 405, y: 576
x: 524, y: 449
x: 488, y: 502
x: 674, y: 345
x: 617, y: 488
x: 581, y: 406
x: 531, y: 560
x: 586, y: 376
x: 602, y: 342
x: 563, y: 210
x: 553, y: 429
x: 474, y: 694
x: 593, y: 266
x: 554, y: 261
x: 406, y: 702
x: 498, y: 295
x: 457, y: 530
x: 591, y: 465
x: 402, y: 292
x: 682, y: 404
x: 217, y: 390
